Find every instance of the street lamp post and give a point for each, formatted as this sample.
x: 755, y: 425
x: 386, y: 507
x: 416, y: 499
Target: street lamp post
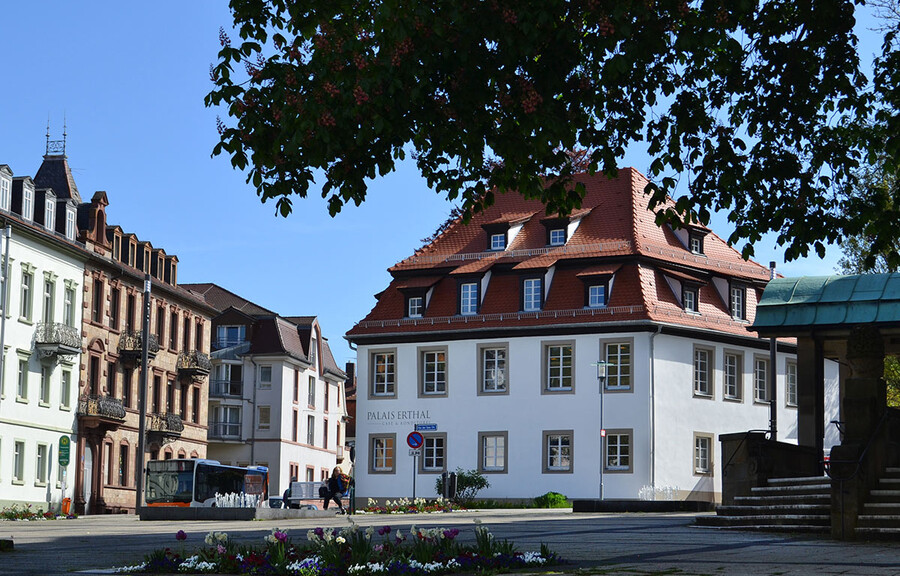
x: 601, y: 378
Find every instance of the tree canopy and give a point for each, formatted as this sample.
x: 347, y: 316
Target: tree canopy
x: 757, y: 107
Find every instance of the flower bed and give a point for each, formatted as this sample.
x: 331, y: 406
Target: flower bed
x: 17, y: 512
x: 407, y: 506
x: 350, y: 551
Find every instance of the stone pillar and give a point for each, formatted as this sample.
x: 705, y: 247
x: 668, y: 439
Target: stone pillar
x: 79, y: 475
x: 810, y: 393
x: 98, y: 506
x: 863, y: 402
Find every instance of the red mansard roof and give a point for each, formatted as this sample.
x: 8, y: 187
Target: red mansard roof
x: 616, y: 239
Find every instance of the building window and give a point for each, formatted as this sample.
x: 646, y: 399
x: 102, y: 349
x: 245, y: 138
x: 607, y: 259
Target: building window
x: 311, y: 430
x: 4, y: 193
x: 703, y: 370
x: 415, y: 306
x: 493, y: 371
x: 790, y: 378
x: 434, y: 452
x: 434, y: 372
x: 265, y: 376
x: 227, y: 336
x: 130, y: 312
x: 558, y: 451
x: 173, y: 330
x: 27, y: 203
x: 41, y: 463
x: 186, y: 335
x: 114, y: 299
x: 738, y: 301
x: 384, y: 374
x: 49, y: 290
x: 295, y: 426
x: 695, y: 242
x: 326, y: 397
x: 702, y: 454
x: 760, y: 380
x: 325, y: 433
x: 618, y: 366
x: 22, y: 380
x: 558, y: 362
x: 25, y: 303
x: 127, y: 376
x: 468, y: 298
x: 382, y: 451
x: 498, y: 241
x: 733, y: 373
x: 264, y: 420
x: 690, y: 298
x: 123, y: 465
x: 69, y: 307
x: 311, y: 392
x: 492, y: 452
x: 161, y: 325
x: 65, y: 388
x: 195, y: 405
x: 597, y: 296
x: 557, y: 236
x: 296, y: 399
x: 19, y: 462
x: 45, y: 386
x: 198, y: 336
x: 531, y: 295
x: 617, y: 456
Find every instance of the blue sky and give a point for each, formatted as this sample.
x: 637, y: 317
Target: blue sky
x: 129, y: 78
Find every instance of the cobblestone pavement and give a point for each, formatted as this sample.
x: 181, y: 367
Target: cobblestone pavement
x: 632, y: 544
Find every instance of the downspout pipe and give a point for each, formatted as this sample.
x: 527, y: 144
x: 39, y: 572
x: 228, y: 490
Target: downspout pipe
x: 652, y: 410
x: 773, y: 375
x: 253, y: 415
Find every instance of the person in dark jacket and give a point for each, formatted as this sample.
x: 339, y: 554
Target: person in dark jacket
x: 337, y: 485
x: 286, y: 497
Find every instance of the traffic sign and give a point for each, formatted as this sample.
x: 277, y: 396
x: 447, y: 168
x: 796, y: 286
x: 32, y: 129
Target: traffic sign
x: 415, y: 440
x: 603, y: 432
x: 64, y: 450
x: 426, y: 427
x: 415, y: 452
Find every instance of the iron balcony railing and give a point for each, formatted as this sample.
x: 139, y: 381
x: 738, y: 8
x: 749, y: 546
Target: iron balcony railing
x: 166, y: 423
x: 133, y: 343
x: 193, y: 363
x: 103, y: 406
x: 225, y: 430
x: 57, y: 334
x: 226, y: 388
x: 220, y: 343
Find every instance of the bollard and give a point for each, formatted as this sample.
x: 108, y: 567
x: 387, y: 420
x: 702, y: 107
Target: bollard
x: 451, y: 491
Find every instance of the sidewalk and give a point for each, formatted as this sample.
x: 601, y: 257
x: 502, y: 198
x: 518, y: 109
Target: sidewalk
x: 632, y: 544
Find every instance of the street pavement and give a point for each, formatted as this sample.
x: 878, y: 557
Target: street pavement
x: 632, y: 544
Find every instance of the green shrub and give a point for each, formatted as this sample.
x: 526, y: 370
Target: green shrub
x: 468, y: 484
x: 551, y: 500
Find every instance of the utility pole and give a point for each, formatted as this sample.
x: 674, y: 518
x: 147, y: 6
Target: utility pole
x: 142, y: 398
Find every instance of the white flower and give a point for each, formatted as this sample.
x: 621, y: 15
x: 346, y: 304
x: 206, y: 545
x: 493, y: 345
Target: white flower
x: 533, y: 558
x: 340, y: 539
x: 135, y: 568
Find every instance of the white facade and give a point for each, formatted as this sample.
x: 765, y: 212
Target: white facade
x: 653, y: 422
x: 39, y: 398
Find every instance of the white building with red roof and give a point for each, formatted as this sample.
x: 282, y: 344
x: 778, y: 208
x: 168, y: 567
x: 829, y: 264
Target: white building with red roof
x: 493, y: 333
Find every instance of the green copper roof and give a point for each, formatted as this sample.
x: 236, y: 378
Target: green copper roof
x: 818, y: 301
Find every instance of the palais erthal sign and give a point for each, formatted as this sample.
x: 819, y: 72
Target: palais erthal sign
x: 397, y: 417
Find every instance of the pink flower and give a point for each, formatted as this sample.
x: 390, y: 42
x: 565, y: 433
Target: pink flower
x: 221, y: 549
x: 281, y: 536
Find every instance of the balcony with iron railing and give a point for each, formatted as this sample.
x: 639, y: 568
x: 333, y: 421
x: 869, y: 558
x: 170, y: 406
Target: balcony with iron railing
x: 101, y: 409
x: 56, y: 339
x: 193, y: 364
x: 226, y: 388
x: 224, y: 431
x: 131, y: 345
x: 220, y: 343
x: 164, y: 427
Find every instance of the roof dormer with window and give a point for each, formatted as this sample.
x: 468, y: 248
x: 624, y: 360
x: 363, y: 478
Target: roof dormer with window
x: 693, y: 238
x: 497, y: 236
x: 6, y: 176
x: 23, y: 197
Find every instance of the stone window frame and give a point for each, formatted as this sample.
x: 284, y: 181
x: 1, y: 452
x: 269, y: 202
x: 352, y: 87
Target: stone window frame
x: 545, y: 451
x: 479, y: 379
x: 739, y: 375
x: 604, y: 348
x: 421, y: 464
x: 392, y: 469
x: 756, y: 398
x: 421, y: 352
x: 372, y: 395
x: 710, y: 465
x: 710, y: 371
x: 627, y: 432
x: 481, y: 452
x: 788, y: 364
x: 545, y: 367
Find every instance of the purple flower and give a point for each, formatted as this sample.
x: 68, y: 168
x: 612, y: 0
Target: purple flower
x: 181, y: 535
x: 319, y: 532
x: 451, y: 534
x: 220, y: 549
x: 384, y: 530
x: 280, y: 536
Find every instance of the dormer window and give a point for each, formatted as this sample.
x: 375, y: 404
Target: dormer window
x: 70, y: 222
x: 738, y: 301
x: 690, y: 298
x: 468, y: 298
x: 49, y: 213
x: 498, y: 241
x: 695, y: 243
x: 557, y: 236
x: 497, y: 234
x: 132, y: 252
x: 27, y: 203
x: 532, y: 295
x: 117, y: 247
x: 596, y: 295
x: 415, y: 306
x: 4, y: 192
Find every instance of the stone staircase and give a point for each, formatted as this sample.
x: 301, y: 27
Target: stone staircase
x: 784, y: 505
x: 880, y: 516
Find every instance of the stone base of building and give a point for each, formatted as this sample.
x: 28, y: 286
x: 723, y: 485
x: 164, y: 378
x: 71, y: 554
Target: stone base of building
x: 642, y: 506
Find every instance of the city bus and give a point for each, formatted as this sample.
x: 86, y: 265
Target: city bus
x: 192, y: 482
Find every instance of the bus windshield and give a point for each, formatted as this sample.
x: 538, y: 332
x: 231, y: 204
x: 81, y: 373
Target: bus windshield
x: 170, y: 481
